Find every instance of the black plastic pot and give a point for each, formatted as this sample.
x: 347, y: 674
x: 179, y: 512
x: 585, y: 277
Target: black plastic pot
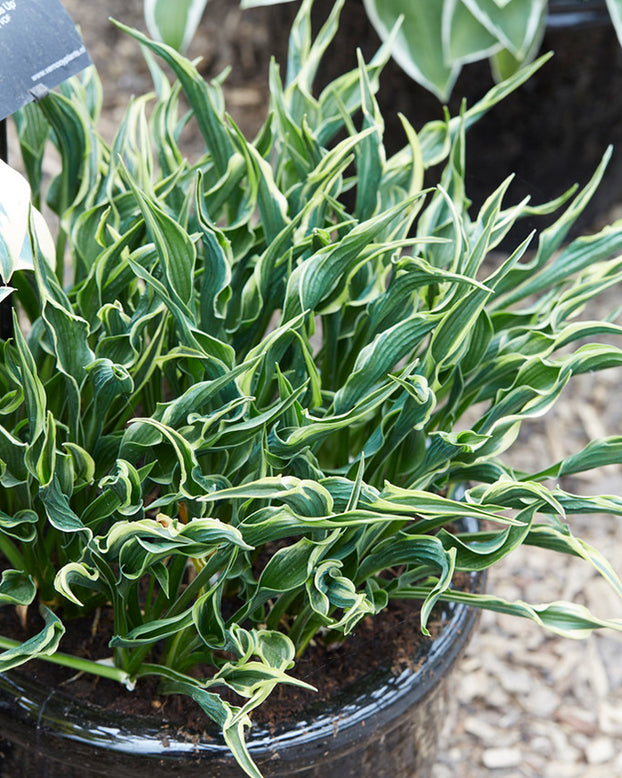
x: 385, y: 725
x: 580, y: 13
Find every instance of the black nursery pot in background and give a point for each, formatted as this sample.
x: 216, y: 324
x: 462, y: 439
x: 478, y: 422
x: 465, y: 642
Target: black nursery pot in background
x: 551, y: 132
x: 383, y: 725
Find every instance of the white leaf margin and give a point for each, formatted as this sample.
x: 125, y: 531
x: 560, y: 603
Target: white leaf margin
x: 17, y: 217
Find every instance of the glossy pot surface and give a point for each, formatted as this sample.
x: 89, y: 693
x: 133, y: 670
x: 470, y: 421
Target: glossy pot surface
x: 572, y: 13
x: 384, y: 725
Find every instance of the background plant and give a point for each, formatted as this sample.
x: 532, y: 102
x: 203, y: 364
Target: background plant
x: 236, y: 402
x: 437, y: 37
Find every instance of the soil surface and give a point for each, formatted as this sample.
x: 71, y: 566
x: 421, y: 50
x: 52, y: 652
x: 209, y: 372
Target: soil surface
x: 527, y: 704
x: 390, y: 641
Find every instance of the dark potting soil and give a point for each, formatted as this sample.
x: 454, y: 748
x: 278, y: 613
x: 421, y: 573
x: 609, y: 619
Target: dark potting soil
x: 390, y: 639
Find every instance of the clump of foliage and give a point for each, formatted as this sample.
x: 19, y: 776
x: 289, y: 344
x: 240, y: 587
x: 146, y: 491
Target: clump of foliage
x: 235, y: 388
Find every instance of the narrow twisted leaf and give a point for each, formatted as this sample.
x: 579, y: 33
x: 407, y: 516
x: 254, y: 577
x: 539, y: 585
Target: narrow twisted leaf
x: 568, y: 620
x: 204, y: 99
x: 44, y: 643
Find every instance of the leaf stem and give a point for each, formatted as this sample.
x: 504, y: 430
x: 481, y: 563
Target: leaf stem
x: 77, y: 663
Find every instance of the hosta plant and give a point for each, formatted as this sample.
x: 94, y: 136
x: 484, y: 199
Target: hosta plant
x: 249, y: 401
x: 438, y: 37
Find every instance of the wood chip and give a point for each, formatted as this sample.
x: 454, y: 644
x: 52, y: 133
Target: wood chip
x: 561, y: 769
x: 516, y: 681
x: 577, y: 719
x: 600, y: 750
x: 499, y: 758
x: 594, y: 427
x: 598, y: 674
x: 489, y: 735
x: 610, y: 719
x: 541, y: 702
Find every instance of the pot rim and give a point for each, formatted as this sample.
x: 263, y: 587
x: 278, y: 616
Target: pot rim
x: 54, y: 712
x: 577, y: 13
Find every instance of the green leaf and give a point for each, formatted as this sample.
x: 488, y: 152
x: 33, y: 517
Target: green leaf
x: 34, y: 393
x: 33, y: 131
x: 136, y: 545
x: 478, y: 554
x: 59, y: 512
x: 464, y: 38
x: 13, y: 455
x: 68, y: 331
x: 217, y: 264
x: 318, y: 276
x: 558, y: 538
x: 377, y: 358
x: 77, y: 574
x: 173, y: 23
x: 405, y: 549
x: 563, y: 618
x: 229, y: 717
x: 597, y: 453
x: 205, y: 100
x: 514, y: 25
x: 153, y: 631
x: 417, y: 49
x: 370, y: 156
x: 271, y: 202
x: 126, y: 484
x: 71, y: 126
x: 615, y: 11
x: 290, y: 567
x: 192, y: 483
x: 305, y: 53
x: 46, y: 463
x: 21, y: 526
x: 305, y: 496
x: 44, y: 643
x: 16, y: 588
x: 175, y: 249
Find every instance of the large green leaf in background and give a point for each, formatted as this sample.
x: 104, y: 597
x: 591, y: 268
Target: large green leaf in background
x: 174, y: 22
x: 465, y: 39
x: 437, y: 37
x: 615, y: 10
x: 514, y: 25
x: 417, y: 48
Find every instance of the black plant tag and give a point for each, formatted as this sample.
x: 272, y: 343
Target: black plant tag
x: 39, y: 49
